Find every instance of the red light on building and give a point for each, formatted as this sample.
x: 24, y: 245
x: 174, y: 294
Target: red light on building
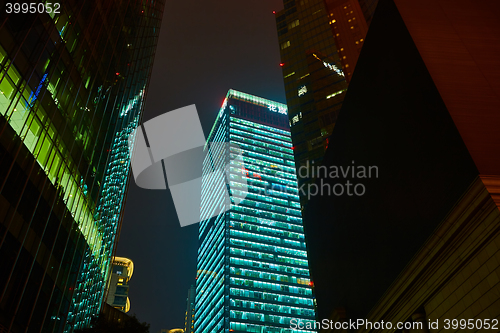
x: 311, y: 283
x: 282, y: 64
x: 274, y: 12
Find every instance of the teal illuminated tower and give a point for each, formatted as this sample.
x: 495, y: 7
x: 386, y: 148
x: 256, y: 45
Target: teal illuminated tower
x: 74, y: 76
x: 253, y: 273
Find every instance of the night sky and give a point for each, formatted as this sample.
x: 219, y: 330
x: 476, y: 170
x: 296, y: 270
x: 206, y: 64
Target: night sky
x: 205, y: 49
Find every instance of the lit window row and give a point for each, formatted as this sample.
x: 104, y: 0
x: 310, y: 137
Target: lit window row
x: 260, y: 137
x: 245, y: 327
x: 262, y: 205
x: 264, y: 190
x: 253, y: 219
x: 273, y: 171
x: 267, y: 256
x: 266, y: 214
x: 248, y: 129
x: 264, y: 176
x: 271, y: 296
x: 256, y: 155
x: 266, y: 186
x: 260, y: 143
x: 266, y: 230
x: 257, y: 125
x: 264, y: 151
x: 266, y: 247
x: 272, y: 307
x: 269, y: 276
x: 268, y: 318
x: 269, y: 266
x: 285, y: 241
x: 254, y: 196
x: 264, y: 163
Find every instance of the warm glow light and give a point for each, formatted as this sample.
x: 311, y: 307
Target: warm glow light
x: 282, y: 64
x: 127, y: 263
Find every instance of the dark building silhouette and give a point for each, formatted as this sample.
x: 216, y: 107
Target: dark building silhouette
x: 74, y: 76
x: 422, y: 243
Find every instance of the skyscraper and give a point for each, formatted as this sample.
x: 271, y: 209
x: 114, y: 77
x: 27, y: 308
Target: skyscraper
x: 189, y: 319
x: 253, y: 273
x: 320, y: 41
x: 121, y: 273
x: 73, y: 80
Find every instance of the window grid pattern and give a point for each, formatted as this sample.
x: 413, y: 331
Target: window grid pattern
x: 262, y: 281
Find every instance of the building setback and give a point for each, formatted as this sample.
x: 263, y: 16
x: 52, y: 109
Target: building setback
x: 72, y: 88
x: 253, y: 273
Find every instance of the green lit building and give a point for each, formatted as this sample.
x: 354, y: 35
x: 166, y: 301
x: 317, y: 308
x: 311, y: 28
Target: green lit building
x: 253, y: 273
x: 72, y: 88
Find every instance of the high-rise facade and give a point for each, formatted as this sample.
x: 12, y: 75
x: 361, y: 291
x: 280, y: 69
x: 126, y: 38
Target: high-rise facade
x: 253, y: 273
x: 121, y: 273
x: 320, y: 41
x: 189, y: 318
x: 73, y: 80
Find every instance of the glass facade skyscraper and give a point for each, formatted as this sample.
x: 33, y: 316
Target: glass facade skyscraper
x: 72, y: 87
x: 320, y: 41
x: 253, y: 273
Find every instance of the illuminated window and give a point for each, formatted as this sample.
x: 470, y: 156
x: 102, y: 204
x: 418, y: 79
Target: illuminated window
x: 342, y: 49
x: 285, y: 45
x: 346, y: 65
x: 343, y: 57
x: 352, y: 27
x: 293, y: 24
